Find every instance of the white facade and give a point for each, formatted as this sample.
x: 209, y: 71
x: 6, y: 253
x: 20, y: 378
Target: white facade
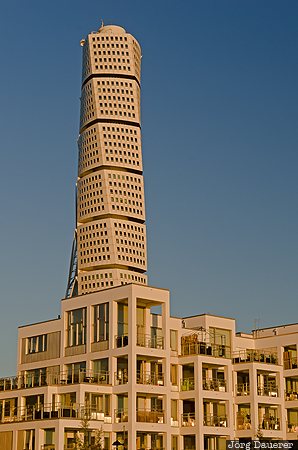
x: 150, y: 380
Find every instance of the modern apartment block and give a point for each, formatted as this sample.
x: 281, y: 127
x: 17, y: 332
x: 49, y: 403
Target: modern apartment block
x: 146, y: 379
x: 115, y: 365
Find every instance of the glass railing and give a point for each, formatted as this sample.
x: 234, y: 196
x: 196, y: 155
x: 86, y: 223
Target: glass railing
x: 291, y: 395
x: 121, y: 340
x: 292, y: 427
x: 248, y: 355
x: 211, y: 420
x: 149, y: 416
x: 187, y: 384
x: 28, y: 381
x: 56, y: 411
x: 153, y: 378
x: 270, y: 423
x: 291, y: 363
x: 188, y: 419
x: 203, y: 348
x: 214, y: 384
x: 243, y: 422
x: 121, y: 415
x: 146, y: 340
x: 242, y: 389
x: 269, y: 390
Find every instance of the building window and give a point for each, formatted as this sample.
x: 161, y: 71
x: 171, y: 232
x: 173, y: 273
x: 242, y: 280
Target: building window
x: 76, y: 327
x: 101, y: 322
x: 37, y: 344
x: 174, y: 340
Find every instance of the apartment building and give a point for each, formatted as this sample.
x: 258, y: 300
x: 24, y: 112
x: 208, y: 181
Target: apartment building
x: 117, y: 359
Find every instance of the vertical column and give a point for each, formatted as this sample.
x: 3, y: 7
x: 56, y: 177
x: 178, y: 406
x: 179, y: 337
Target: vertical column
x: 132, y: 327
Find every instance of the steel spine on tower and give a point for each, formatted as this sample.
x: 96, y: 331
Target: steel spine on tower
x: 111, y: 231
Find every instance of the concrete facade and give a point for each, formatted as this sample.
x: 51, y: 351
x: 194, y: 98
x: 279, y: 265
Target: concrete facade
x: 111, y: 231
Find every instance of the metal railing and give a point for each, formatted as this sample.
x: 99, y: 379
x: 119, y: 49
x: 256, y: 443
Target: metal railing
x: 249, y: 355
x: 270, y: 423
x: 29, y: 380
x: 146, y: 340
x: 242, y: 389
x: 188, y: 419
x: 149, y: 416
x: 211, y: 420
x: 214, y: 384
x: 50, y: 411
x: 203, y: 348
x: 267, y: 390
x: 187, y: 384
x: 146, y: 377
x: 121, y: 340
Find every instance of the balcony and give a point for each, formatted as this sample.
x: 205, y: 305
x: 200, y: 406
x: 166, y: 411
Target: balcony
x: 243, y: 422
x: 270, y: 423
x: 203, y: 348
x: 149, y: 416
x: 214, y: 384
x: 156, y: 379
x: 188, y: 419
x: 57, y: 411
x: 121, y: 341
x: 187, y: 384
x: 211, y: 420
x: 48, y: 447
x: 121, y: 415
x: 146, y: 340
x: 291, y: 395
x: 270, y: 390
x: 242, y: 389
x: 248, y: 355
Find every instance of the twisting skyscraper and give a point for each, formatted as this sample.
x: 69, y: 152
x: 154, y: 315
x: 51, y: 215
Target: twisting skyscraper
x: 110, y: 247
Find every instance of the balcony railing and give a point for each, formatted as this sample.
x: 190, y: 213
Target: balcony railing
x: 153, y: 378
x: 121, y: 415
x: 121, y: 340
x: 146, y: 340
x: 121, y: 377
x: 292, y: 427
x: 270, y: 390
x: 149, y: 416
x: 28, y: 381
x: 291, y: 395
x: 243, y: 422
x: 188, y: 419
x: 187, y: 384
x: 291, y: 363
x: 50, y: 411
x: 203, y: 348
x: 270, y: 423
x: 248, y: 355
x: 242, y: 389
x: 211, y: 420
x: 214, y: 384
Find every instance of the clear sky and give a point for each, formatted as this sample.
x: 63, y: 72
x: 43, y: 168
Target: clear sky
x: 219, y: 120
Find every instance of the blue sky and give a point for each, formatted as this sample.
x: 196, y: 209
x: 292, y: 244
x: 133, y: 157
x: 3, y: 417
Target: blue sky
x: 219, y: 120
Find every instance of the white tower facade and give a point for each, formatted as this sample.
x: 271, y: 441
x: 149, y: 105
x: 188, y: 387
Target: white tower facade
x: 111, y: 231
